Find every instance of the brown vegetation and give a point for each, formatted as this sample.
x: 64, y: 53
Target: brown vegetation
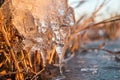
x: 18, y: 63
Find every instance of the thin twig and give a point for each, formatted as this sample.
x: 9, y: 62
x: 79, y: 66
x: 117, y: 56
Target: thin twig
x: 52, y: 54
x: 38, y: 74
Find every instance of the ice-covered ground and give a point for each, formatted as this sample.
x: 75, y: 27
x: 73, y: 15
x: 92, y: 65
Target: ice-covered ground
x: 94, y: 65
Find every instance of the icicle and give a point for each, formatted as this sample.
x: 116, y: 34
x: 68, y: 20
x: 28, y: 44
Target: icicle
x: 59, y: 52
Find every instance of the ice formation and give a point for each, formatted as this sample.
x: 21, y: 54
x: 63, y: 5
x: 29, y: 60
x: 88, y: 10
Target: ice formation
x: 36, y: 19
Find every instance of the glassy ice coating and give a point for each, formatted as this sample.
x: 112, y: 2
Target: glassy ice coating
x: 40, y: 21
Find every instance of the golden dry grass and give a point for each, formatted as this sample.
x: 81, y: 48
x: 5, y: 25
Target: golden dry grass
x: 17, y: 63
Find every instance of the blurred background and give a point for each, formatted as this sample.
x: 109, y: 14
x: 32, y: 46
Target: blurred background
x: 82, y: 7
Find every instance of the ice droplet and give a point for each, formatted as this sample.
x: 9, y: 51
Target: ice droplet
x: 39, y: 39
x: 56, y: 32
x: 61, y: 12
x: 43, y: 23
x: 59, y: 49
x: 69, y: 19
x: 39, y: 29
